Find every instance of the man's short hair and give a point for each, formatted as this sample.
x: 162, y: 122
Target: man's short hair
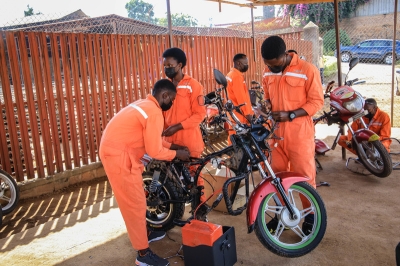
x: 371, y: 101
x: 177, y: 54
x: 273, y: 47
x: 239, y: 56
x: 163, y: 85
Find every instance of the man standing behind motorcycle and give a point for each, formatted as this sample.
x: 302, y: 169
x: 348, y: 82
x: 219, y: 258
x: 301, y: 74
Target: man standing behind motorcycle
x: 182, y: 121
x: 376, y: 120
x: 237, y: 89
x: 293, y: 92
x: 132, y: 132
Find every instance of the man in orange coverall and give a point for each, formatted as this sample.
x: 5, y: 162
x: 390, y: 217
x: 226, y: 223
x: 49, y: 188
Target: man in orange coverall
x: 376, y: 120
x: 237, y: 89
x: 182, y: 121
x: 131, y: 133
x: 293, y: 93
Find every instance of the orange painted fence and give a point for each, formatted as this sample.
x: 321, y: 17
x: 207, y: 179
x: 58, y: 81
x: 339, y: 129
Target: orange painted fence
x: 59, y: 90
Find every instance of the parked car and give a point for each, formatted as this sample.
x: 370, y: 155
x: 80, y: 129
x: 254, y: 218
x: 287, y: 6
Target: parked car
x: 380, y: 49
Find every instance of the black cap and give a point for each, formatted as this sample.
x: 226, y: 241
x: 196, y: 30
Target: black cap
x: 370, y: 101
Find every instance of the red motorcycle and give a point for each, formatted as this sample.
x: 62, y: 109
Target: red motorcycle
x: 346, y: 106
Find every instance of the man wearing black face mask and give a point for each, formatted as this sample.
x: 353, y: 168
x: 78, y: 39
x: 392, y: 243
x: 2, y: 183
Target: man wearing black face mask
x: 182, y: 121
x: 237, y: 89
x: 132, y: 132
x: 377, y: 121
x: 293, y: 93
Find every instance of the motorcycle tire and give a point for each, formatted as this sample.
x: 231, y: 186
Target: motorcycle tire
x: 1, y: 216
x: 378, y: 160
x: 161, y: 217
x: 287, y: 238
x: 9, y: 192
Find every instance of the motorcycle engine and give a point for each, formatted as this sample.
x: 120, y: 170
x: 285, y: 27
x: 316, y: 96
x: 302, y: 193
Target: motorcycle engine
x: 233, y: 162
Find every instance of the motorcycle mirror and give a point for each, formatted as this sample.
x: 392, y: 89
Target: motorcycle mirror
x: 220, y: 78
x: 353, y: 62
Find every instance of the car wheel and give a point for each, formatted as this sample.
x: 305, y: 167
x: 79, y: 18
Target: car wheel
x: 346, y: 57
x: 388, y: 59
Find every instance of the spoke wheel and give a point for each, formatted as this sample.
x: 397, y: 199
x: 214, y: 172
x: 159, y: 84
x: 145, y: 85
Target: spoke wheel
x: 9, y: 192
x: 377, y: 160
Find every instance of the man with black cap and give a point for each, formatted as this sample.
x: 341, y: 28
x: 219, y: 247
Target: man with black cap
x: 376, y: 120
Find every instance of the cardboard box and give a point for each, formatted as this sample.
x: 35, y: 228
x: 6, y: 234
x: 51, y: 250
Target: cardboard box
x: 216, y: 181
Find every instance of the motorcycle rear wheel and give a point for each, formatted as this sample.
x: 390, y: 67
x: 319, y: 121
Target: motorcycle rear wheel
x: 288, y: 239
x: 9, y: 192
x: 161, y: 217
x: 378, y: 160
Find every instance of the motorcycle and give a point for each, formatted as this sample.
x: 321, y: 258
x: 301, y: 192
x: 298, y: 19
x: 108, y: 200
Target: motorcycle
x: 9, y: 192
x: 274, y: 210
x: 347, y: 106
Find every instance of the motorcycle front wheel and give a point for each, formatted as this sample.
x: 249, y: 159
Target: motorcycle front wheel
x: 377, y: 159
x: 288, y: 237
x: 160, y: 216
x: 9, y: 192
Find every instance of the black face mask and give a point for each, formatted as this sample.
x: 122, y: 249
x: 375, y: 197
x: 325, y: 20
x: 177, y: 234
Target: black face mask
x: 369, y: 115
x: 170, y: 72
x: 277, y: 69
x: 166, y: 106
x: 245, y: 68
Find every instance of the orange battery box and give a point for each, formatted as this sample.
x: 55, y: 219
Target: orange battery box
x: 200, y: 233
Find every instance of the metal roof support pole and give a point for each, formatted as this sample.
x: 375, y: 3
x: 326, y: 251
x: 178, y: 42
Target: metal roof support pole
x: 339, y: 66
x: 394, y: 57
x: 171, y: 40
x: 252, y: 33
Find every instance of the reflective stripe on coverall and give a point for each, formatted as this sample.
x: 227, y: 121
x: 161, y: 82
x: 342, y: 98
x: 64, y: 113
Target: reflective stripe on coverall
x: 131, y: 133
x: 299, y: 86
x: 238, y: 94
x: 380, y: 124
x: 187, y: 111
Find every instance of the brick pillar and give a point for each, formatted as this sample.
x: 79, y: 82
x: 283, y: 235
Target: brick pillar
x: 311, y: 33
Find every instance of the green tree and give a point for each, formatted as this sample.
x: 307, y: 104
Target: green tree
x: 321, y: 14
x: 178, y: 20
x: 30, y: 12
x: 140, y: 10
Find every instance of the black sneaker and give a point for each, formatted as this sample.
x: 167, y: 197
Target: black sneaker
x: 155, y: 235
x: 273, y: 224
x: 308, y: 224
x: 150, y: 259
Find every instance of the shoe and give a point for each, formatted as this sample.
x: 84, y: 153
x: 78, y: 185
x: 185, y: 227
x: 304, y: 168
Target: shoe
x: 308, y: 224
x: 273, y: 224
x: 155, y: 235
x: 150, y: 259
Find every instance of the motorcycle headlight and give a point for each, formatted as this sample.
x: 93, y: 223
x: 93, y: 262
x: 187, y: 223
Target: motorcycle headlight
x: 355, y: 105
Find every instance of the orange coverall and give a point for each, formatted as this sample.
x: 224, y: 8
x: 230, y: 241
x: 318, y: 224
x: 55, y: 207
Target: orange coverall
x: 238, y: 94
x: 299, y: 86
x: 131, y: 133
x: 187, y: 111
x: 380, y: 124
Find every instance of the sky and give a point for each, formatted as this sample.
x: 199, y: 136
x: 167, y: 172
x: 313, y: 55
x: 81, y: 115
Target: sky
x: 205, y: 12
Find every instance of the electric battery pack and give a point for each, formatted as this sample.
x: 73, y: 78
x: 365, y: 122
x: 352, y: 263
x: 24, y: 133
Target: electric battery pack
x: 207, y: 244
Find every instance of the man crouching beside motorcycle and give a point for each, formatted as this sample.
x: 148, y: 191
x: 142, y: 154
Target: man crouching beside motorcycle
x: 376, y: 120
x: 132, y: 132
x: 292, y: 89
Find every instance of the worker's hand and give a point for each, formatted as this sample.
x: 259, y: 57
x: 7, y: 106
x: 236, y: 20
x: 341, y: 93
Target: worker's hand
x: 348, y: 144
x: 183, y: 155
x: 172, y: 130
x: 280, y: 116
x: 176, y: 147
x: 266, y: 105
x: 249, y: 117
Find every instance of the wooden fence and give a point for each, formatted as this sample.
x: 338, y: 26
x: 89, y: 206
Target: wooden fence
x: 59, y: 90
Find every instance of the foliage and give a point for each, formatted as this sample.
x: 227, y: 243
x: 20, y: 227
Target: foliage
x: 322, y: 14
x: 179, y: 20
x: 140, y: 10
x: 30, y: 12
x: 330, y: 40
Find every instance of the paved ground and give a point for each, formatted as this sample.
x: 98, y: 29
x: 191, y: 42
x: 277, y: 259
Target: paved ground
x: 363, y: 225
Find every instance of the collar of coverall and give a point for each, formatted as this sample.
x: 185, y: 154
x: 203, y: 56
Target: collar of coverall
x: 237, y: 70
x: 151, y: 98
x: 295, y: 59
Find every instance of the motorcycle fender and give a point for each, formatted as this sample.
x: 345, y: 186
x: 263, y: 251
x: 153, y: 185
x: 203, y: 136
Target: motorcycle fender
x: 265, y: 188
x: 365, y: 135
x: 320, y: 146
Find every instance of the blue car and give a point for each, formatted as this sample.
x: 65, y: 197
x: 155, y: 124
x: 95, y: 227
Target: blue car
x: 379, y: 49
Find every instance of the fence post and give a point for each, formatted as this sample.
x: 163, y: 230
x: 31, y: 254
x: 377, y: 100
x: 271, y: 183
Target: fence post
x: 311, y: 33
